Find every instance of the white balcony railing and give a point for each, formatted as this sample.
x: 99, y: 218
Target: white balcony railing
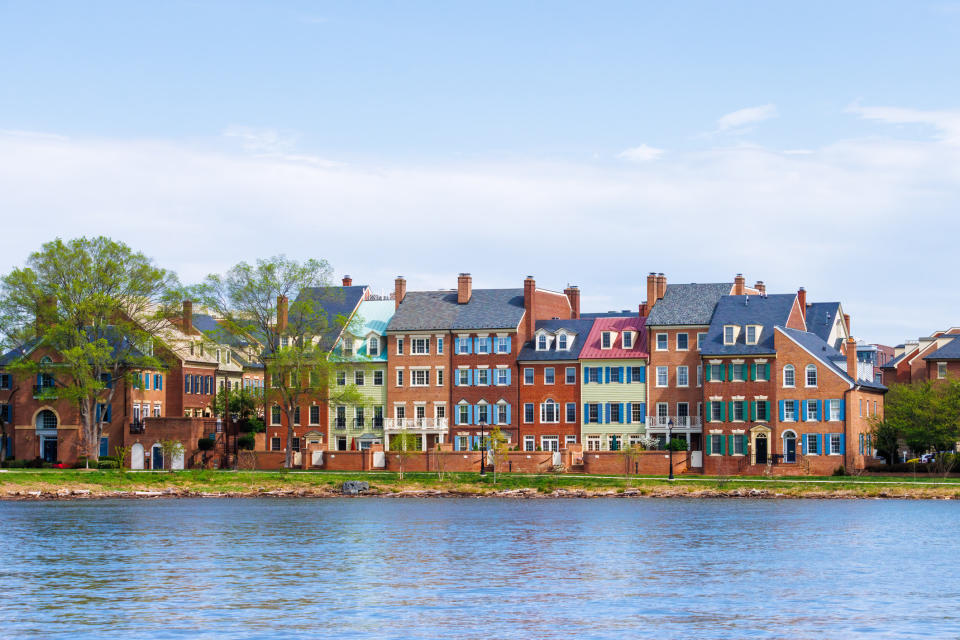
x: 679, y: 422
x: 415, y: 424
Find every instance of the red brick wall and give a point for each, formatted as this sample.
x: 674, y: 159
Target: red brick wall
x: 491, y: 393
x: 539, y: 392
x: 431, y: 394
x: 672, y: 358
x: 646, y: 463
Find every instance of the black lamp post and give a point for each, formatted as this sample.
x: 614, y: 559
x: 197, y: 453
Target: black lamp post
x: 669, y: 447
x: 483, y: 451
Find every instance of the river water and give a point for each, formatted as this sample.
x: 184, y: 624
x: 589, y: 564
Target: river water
x: 487, y: 568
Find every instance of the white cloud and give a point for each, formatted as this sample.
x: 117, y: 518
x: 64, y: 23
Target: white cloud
x: 643, y: 153
x: 826, y: 220
x: 945, y: 122
x: 737, y: 120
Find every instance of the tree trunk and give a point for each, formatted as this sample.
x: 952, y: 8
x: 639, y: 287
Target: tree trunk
x: 288, y: 457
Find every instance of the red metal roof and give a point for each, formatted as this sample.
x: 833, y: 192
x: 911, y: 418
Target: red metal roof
x: 592, y: 350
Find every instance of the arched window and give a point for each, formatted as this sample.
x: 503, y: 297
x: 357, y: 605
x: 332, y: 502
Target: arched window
x: 788, y: 376
x: 562, y: 342
x: 45, y: 360
x: 811, y: 375
x: 46, y: 419
x: 549, y: 411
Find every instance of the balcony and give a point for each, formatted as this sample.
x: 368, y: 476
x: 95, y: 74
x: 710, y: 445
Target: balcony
x: 340, y: 424
x: 415, y: 424
x: 358, y: 424
x: 137, y: 426
x: 679, y: 422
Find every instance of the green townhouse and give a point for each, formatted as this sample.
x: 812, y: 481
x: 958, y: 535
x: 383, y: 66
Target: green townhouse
x: 613, y: 383
x: 362, y: 346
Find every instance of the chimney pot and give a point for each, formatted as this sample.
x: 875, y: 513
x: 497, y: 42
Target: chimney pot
x: 529, y: 306
x: 739, y: 285
x: 399, y: 291
x: 464, y: 288
x: 852, y: 358
x: 573, y: 295
x: 760, y: 287
x: 347, y: 281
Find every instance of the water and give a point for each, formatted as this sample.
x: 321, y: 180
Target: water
x: 462, y: 568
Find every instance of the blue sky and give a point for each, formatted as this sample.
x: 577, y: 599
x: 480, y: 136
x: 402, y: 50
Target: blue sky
x: 799, y: 143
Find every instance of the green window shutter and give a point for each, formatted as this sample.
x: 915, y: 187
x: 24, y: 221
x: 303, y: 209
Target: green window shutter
x: 706, y: 372
x: 753, y: 372
x: 723, y: 412
x: 769, y: 419
x: 732, y: 413
x: 753, y: 411
x: 709, y: 442
x: 766, y: 369
x: 744, y: 447
x: 709, y: 412
x: 723, y: 372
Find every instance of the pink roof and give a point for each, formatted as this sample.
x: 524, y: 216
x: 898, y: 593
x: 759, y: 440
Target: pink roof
x: 591, y: 349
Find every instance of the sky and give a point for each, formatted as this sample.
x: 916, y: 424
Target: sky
x: 812, y: 144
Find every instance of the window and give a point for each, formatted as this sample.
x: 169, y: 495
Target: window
x: 420, y: 346
x: 762, y: 410
x: 569, y: 439
x: 463, y: 413
x: 683, y: 342
x: 637, y: 374
x: 811, y: 375
x: 571, y: 375
x: 502, y: 377
x: 549, y: 412
x: 615, y: 412
x: 341, y: 417
x: 378, y: 378
x: 627, y: 340
x: 751, y: 334
x: 483, y: 377
x: 483, y: 345
x: 275, y: 414
x: 812, y: 448
x: 700, y: 338
x: 571, y: 412
x: 5, y: 381
x: 419, y: 377
x: 615, y: 374
x: 661, y: 376
x: 528, y: 375
x: 593, y: 443
x: 314, y: 414
x: 503, y: 345
x: 542, y: 343
x: 500, y: 414
x: 716, y: 411
x: 835, y: 443
x: 606, y: 340
x: 593, y: 374
x: 737, y: 411
x: 941, y: 370
x: 738, y: 442
x: 439, y: 377
x: 593, y: 413
x: 275, y: 444
x: 548, y: 375
x: 529, y: 443
x: 739, y: 373
x: 661, y: 342
x: 399, y: 377
x: 373, y: 346
x: 528, y: 412
x: 761, y: 371
x: 811, y: 411
x: 683, y: 376
x: 358, y: 378
x: 399, y: 346
x: 788, y: 376
x: 716, y: 372
x: 440, y: 345
x: 550, y: 443
x: 296, y: 415
x: 295, y: 444
x: 359, y: 418
x: 636, y: 413
x: 729, y: 334
x: 716, y: 445
x: 463, y: 377
x: 562, y: 342
x: 341, y: 378
x: 790, y: 410
x: 699, y: 375
x: 834, y: 409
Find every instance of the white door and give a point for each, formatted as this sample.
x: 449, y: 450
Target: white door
x: 136, y: 456
x: 177, y: 462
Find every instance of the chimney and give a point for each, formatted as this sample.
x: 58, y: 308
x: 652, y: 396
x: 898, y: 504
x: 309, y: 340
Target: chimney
x: 761, y: 288
x: 846, y: 321
x: 661, y: 285
x: 651, y: 289
x: 739, y: 285
x: 347, y: 281
x: 643, y: 310
x: 281, y: 313
x: 573, y: 294
x: 802, y: 299
x: 46, y: 310
x: 464, y: 288
x: 852, y: 358
x: 529, y: 296
x: 187, y: 321
x: 399, y: 290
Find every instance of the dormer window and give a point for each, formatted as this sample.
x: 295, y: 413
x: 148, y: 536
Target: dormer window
x: 228, y: 356
x: 753, y: 334
x: 730, y: 333
x: 348, y: 346
x: 606, y: 339
x: 628, y: 339
x: 562, y: 342
x: 218, y: 355
x: 373, y: 346
x: 542, y: 343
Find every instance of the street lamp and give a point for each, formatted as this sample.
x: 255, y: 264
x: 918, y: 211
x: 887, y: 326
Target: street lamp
x: 670, y: 448
x: 483, y: 451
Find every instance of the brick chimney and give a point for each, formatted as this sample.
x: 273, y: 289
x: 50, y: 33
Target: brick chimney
x: 464, y: 288
x: 573, y: 294
x: 282, y: 303
x: 347, y: 281
x: 760, y: 287
x: 802, y: 299
x: 651, y: 290
x: 739, y: 285
x: 846, y: 321
x: 529, y: 298
x: 46, y: 311
x: 399, y: 291
x: 186, y: 322
x: 852, y: 358
x: 661, y: 285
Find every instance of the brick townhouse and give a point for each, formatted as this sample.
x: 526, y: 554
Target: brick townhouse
x: 910, y: 364
x: 776, y: 393
x: 550, y: 384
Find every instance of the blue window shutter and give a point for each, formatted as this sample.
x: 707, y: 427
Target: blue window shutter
x: 509, y: 344
x: 489, y: 344
x: 782, y: 411
x: 803, y: 444
x: 606, y: 375
x: 104, y: 447
x: 109, y: 413
x: 820, y: 410
x: 509, y: 418
x: 843, y: 443
x: 803, y: 411
x: 160, y: 378
x: 620, y: 376
x: 476, y: 344
x: 456, y: 443
x: 629, y: 416
x: 643, y: 408
x: 456, y: 414
x: 643, y: 374
x: 586, y: 413
x: 819, y: 450
x: 470, y: 379
x: 629, y: 375
x: 456, y: 378
x: 585, y: 378
x: 606, y: 413
x: 843, y: 409
x: 469, y: 344
x: 622, y: 419
x: 509, y: 375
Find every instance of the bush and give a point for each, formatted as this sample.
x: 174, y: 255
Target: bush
x: 247, y: 442
x: 106, y: 463
x: 251, y: 425
x: 677, y: 444
x: 840, y: 471
x: 205, y: 444
x: 16, y: 464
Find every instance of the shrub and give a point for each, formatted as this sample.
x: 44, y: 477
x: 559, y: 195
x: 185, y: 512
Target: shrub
x: 840, y: 471
x: 205, y: 444
x: 106, y: 463
x: 246, y: 442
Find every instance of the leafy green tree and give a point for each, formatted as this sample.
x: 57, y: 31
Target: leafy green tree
x: 171, y: 449
x: 402, y: 446
x: 886, y: 438
x: 924, y: 414
x: 499, y: 446
x: 272, y: 303
x: 98, y: 305
x: 243, y: 403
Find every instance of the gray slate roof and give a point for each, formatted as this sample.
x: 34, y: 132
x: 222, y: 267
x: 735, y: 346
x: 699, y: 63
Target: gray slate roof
x: 581, y: 327
x: 334, y: 301
x: 949, y: 351
x: 687, y: 304
x: 833, y: 358
x: 821, y: 316
x: 767, y: 311
x: 439, y: 311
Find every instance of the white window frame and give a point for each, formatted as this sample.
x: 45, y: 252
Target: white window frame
x: 566, y: 375
x: 793, y: 375
x: 566, y: 413
x: 545, y: 407
x: 606, y: 340
x: 552, y: 379
x: 941, y: 370
x: 729, y: 334
x: 420, y: 346
x: 627, y: 339
x: 666, y: 376
x: 532, y: 377
x: 806, y: 376
x: 683, y: 376
x: 666, y: 342
x: 787, y: 417
x: 687, y: 338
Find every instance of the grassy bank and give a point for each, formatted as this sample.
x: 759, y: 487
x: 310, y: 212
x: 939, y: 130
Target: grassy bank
x: 42, y: 484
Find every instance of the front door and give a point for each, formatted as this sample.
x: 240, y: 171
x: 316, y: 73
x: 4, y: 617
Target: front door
x: 156, y: 458
x: 341, y: 444
x: 49, y: 449
x: 614, y: 443
x: 789, y: 449
x: 761, y: 449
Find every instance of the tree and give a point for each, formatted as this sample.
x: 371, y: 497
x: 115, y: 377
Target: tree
x: 253, y: 303
x: 171, y: 449
x: 886, y: 438
x: 926, y: 415
x: 243, y: 403
x: 630, y: 455
x: 97, y: 305
x: 498, y: 449
x: 402, y: 446
x: 121, y: 452
x: 205, y: 445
